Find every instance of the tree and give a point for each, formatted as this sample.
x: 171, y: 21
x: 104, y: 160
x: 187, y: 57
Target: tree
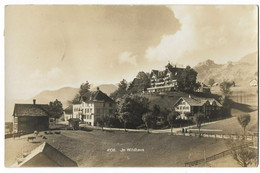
x: 198, y: 120
x: 121, y: 91
x: 171, y: 118
x: 186, y: 81
x: 100, y: 120
x: 225, y: 89
x: 148, y: 119
x: 76, y: 100
x: 124, y: 117
x: 244, y: 121
x: 135, y: 106
x: 244, y: 155
x: 84, y: 90
x: 55, y: 109
x: 140, y: 83
x: 211, y: 82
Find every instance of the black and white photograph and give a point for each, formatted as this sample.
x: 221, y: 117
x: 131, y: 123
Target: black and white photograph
x: 131, y: 85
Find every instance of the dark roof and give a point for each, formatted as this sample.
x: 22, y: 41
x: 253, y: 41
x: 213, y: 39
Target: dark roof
x: 74, y: 119
x: 47, y: 156
x: 154, y: 72
x: 31, y: 110
x: 199, y: 101
x: 68, y: 110
x: 98, y: 96
x: 164, y: 72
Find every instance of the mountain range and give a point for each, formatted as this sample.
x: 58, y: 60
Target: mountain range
x: 241, y: 72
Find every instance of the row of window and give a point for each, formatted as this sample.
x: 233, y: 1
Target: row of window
x: 183, y: 107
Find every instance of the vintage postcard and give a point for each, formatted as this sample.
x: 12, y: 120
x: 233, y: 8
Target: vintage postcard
x: 131, y: 86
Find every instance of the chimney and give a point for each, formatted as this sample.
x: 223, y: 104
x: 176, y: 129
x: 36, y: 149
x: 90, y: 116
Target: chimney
x: 97, y: 88
x: 34, y: 101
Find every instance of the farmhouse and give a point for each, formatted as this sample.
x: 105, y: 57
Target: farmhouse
x: 188, y: 106
x: 97, y: 104
x: 166, y: 80
x: 30, y: 117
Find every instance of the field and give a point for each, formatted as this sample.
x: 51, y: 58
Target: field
x: 231, y: 125
x: 90, y: 148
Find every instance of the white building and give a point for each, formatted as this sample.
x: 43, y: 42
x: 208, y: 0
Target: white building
x: 188, y: 106
x: 253, y: 82
x: 98, y: 104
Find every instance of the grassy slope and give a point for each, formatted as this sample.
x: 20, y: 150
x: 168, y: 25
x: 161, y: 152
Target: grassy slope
x: 231, y: 125
x: 89, y: 148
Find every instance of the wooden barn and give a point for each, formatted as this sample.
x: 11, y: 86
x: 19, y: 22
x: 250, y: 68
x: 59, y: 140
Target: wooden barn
x: 30, y: 117
x: 46, y: 155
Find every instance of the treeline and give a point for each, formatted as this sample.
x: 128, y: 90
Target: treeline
x: 186, y: 82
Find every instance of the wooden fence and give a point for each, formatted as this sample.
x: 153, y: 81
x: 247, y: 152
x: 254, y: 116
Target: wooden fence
x: 222, y: 136
x: 216, y: 156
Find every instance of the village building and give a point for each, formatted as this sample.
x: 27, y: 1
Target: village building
x: 46, y: 155
x: 67, y: 113
x: 30, y: 117
x: 203, y: 88
x: 97, y: 104
x: 166, y: 80
x: 188, y: 106
x: 253, y: 83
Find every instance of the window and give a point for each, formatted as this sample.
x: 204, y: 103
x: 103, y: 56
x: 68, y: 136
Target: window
x: 110, y: 104
x: 110, y: 111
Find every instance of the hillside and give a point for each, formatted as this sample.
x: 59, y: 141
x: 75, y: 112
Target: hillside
x: 242, y: 71
x: 64, y: 95
x: 90, y: 149
x: 106, y: 88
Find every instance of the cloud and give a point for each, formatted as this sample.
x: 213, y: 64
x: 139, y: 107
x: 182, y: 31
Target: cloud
x: 222, y: 33
x: 42, y: 77
x: 127, y: 57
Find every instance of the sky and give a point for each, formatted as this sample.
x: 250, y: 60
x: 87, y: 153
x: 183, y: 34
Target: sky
x: 50, y: 47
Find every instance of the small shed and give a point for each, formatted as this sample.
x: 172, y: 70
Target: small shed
x: 74, y: 123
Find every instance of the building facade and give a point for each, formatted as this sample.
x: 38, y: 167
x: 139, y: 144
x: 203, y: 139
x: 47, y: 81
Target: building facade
x: 98, y: 104
x: 166, y: 80
x: 30, y: 117
x: 188, y: 106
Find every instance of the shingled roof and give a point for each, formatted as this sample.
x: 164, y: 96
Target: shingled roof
x: 194, y: 101
x: 31, y: 110
x: 198, y: 101
x: 47, y: 156
x: 98, y: 96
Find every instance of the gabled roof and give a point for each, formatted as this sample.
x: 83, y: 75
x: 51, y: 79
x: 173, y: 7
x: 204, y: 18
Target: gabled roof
x: 98, y: 96
x: 31, y: 110
x: 211, y: 100
x: 198, y: 101
x: 47, y: 156
x: 155, y: 72
x: 194, y: 101
x: 74, y: 120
